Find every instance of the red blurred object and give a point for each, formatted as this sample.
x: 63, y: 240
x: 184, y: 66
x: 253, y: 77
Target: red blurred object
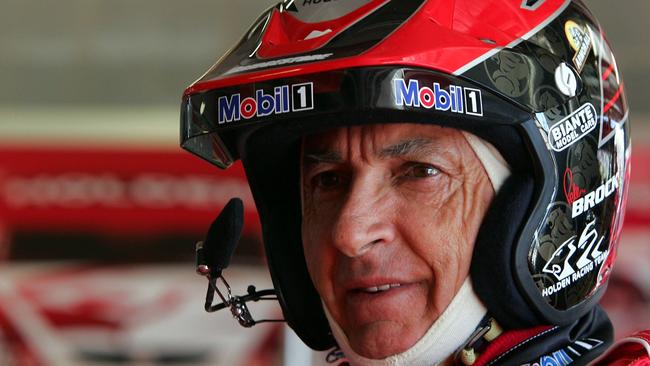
x: 637, y: 213
x: 113, y: 191
x: 16, y: 349
x: 631, y: 351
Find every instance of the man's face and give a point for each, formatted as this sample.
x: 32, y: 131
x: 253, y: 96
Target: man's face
x: 390, y: 216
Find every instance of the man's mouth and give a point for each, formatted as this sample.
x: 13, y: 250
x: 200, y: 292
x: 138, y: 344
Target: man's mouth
x: 384, y: 299
x: 380, y: 288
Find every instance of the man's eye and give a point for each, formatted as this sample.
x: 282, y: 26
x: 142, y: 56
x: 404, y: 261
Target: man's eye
x: 327, y: 179
x: 422, y: 171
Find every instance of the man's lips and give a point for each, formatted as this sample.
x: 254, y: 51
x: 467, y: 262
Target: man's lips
x: 374, y: 289
x: 376, y: 285
x: 371, y: 301
x: 373, y: 285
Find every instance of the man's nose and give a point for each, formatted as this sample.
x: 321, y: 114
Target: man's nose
x: 364, y: 220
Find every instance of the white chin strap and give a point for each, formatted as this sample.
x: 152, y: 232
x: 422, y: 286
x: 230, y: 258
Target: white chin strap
x: 457, y: 323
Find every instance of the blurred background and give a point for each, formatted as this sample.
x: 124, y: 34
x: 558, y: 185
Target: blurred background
x: 100, y: 209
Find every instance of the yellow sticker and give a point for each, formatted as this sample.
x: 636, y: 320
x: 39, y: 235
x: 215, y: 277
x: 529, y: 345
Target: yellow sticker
x: 580, y: 41
x: 574, y: 33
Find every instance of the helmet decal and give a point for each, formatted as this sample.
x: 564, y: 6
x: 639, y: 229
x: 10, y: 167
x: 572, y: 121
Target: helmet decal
x: 453, y: 98
x: 573, y: 127
x: 283, y: 99
x: 509, y: 72
x: 580, y: 40
x: 574, y: 258
x: 584, y: 203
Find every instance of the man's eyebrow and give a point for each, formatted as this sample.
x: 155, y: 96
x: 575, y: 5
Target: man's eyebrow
x: 400, y: 149
x: 407, y: 147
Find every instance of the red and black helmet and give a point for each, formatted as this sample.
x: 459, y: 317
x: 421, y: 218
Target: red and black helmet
x: 536, y: 78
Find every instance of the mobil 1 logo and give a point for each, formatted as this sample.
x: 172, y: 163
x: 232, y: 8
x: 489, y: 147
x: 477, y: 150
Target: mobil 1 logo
x: 454, y: 98
x: 282, y: 99
x: 302, y: 97
x: 473, y: 102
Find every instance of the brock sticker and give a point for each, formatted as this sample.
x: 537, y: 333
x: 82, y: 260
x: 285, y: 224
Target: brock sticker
x: 572, y: 260
x: 595, y: 197
x: 573, y: 127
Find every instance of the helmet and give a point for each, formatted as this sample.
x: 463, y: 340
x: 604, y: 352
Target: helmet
x: 536, y: 78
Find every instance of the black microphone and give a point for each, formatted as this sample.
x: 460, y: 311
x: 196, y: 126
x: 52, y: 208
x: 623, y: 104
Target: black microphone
x: 214, y: 254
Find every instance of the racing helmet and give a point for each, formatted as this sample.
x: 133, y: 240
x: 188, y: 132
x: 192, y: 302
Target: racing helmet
x: 535, y: 78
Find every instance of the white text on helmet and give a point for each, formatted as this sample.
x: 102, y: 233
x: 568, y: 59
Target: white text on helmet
x: 593, y: 198
x: 570, y: 129
x: 285, y: 98
x: 571, y: 261
x: 456, y: 100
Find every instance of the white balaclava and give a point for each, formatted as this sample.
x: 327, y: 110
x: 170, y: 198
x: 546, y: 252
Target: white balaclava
x: 463, y: 314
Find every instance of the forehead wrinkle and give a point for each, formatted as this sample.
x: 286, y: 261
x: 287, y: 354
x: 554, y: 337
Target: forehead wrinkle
x: 407, y: 147
x: 323, y: 156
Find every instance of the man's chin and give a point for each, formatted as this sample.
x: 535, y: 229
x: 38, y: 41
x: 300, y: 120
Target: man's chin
x: 382, y: 339
x: 386, y: 323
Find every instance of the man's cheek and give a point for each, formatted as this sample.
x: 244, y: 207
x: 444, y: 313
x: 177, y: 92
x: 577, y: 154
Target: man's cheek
x: 479, y: 197
x: 316, y: 257
x: 448, y: 212
x: 313, y: 269
x: 309, y: 248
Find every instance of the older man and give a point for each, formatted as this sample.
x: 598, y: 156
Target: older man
x: 391, y: 213
x: 438, y: 182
